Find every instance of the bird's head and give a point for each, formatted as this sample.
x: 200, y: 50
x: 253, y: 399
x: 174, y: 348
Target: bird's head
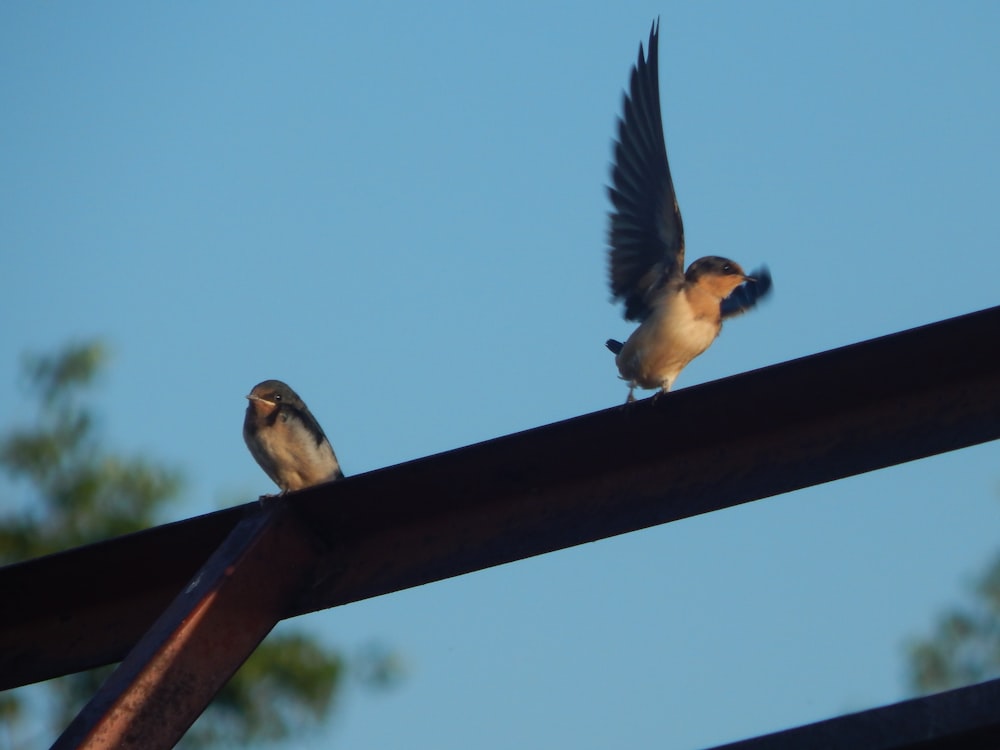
x: 271, y: 394
x: 716, y: 275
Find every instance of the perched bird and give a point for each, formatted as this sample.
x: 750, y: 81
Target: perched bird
x: 680, y: 313
x: 286, y: 440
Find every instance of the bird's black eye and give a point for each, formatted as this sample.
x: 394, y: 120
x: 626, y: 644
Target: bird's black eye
x: 277, y: 397
x: 726, y: 268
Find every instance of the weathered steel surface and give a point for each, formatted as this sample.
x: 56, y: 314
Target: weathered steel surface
x: 215, y: 623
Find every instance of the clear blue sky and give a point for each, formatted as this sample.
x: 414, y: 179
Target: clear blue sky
x: 399, y: 209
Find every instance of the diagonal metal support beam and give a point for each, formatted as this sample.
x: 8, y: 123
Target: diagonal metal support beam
x: 215, y: 623
x: 967, y: 718
x: 831, y: 415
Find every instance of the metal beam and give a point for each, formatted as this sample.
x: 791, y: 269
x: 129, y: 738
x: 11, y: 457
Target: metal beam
x: 88, y: 606
x: 196, y: 645
x: 964, y: 719
x: 797, y: 424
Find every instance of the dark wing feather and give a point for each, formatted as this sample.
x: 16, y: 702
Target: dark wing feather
x: 646, y: 236
x: 748, y: 294
x: 309, y: 421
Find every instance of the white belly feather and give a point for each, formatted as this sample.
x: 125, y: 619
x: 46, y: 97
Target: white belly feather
x: 666, y: 342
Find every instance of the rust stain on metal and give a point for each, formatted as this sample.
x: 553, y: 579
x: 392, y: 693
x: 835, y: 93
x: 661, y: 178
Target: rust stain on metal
x: 175, y: 670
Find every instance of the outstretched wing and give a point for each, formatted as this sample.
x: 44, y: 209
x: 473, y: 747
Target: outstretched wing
x: 747, y: 295
x: 646, y: 235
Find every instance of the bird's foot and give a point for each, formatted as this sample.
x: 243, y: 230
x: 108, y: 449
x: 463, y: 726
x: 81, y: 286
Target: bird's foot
x: 265, y: 498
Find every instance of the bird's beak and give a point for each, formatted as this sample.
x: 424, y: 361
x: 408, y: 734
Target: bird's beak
x: 745, y: 278
x: 260, y: 400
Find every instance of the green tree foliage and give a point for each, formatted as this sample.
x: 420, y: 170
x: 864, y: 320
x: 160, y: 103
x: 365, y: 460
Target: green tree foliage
x: 79, y: 492
x: 964, y: 647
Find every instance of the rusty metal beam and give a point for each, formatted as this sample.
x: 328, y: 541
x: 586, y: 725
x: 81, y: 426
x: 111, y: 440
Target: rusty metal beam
x: 88, y: 606
x: 797, y: 424
x: 964, y: 719
x: 213, y: 625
